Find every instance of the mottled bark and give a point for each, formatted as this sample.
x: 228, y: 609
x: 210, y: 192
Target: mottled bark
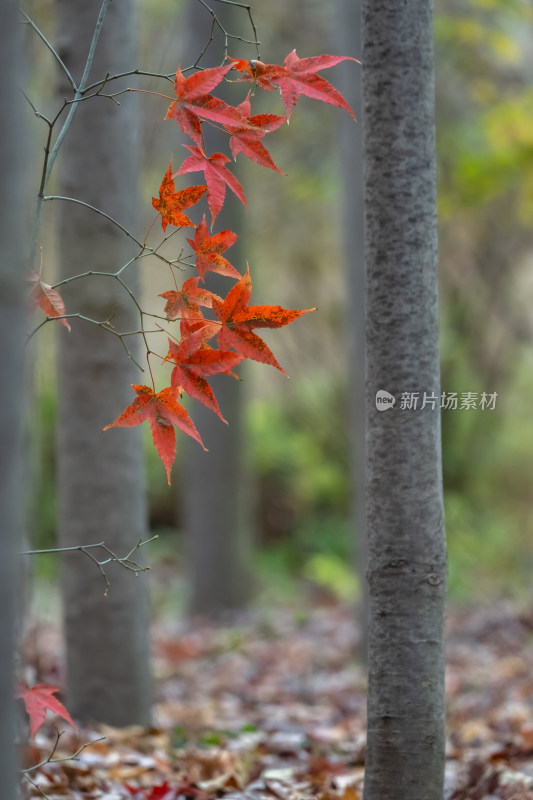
x: 216, y: 501
x: 407, y: 555
x: 101, y: 478
x: 13, y: 264
x: 351, y: 156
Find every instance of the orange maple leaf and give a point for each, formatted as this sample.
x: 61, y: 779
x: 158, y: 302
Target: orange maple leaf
x: 38, y: 700
x: 209, y: 251
x: 185, y: 304
x: 238, y: 319
x: 217, y: 176
x: 163, y: 411
x: 47, y: 299
x: 171, y: 203
x: 193, y: 360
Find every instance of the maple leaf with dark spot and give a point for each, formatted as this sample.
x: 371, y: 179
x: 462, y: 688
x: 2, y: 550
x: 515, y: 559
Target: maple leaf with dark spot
x: 238, y: 319
x: 209, y: 251
x: 194, y: 101
x: 297, y: 76
x: 40, y: 699
x: 193, y: 360
x: 163, y: 411
x: 245, y: 137
x: 171, y: 203
x: 217, y: 176
x: 47, y: 299
x: 185, y: 304
x: 264, y: 75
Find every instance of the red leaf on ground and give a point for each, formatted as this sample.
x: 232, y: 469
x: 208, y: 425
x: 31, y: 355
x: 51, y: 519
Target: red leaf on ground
x: 171, y: 203
x: 163, y: 411
x: 209, y: 251
x: 238, y: 319
x: 217, y: 176
x: 38, y: 700
x: 49, y: 300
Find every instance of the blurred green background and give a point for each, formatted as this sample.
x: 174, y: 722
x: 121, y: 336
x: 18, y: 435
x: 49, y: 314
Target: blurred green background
x: 297, y: 429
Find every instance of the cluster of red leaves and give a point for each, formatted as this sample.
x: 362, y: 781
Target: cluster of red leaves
x: 233, y: 320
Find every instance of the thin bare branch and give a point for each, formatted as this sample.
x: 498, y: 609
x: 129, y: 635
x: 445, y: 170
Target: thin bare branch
x: 41, y: 35
x: 51, y: 760
x: 125, y: 561
x: 227, y: 35
x: 97, y: 211
x: 109, y: 78
x: 80, y: 89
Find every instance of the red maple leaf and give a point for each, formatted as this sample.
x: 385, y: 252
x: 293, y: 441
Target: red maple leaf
x: 162, y: 791
x: 186, y: 303
x: 238, y: 319
x: 163, y: 411
x: 171, y: 203
x: 209, y: 251
x: 217, y: 175
x: 297, y: 76
x: 245, y: 137
x: 38, y: 700
x: 47, y: 299
x: 194, y: 101
x: 194, y: 360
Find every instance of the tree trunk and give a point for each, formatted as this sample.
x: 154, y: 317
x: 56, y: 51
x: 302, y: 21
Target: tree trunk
x: 407, y: 553
x: 101, y: 476
x: 217, y: 518
x: 12, y: 332
x: 351, y: 155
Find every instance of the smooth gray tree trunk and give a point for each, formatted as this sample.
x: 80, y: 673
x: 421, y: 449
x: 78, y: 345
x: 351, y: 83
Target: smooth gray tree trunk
x: 407, y: 553
x: 101, y: 475
x: 13, y: 302
x: 351, y: 156
x: 216, y: 500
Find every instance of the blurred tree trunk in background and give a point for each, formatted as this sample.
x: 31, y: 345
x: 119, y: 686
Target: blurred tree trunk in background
x: 351, y: 156
x: 13, y: 303
x: 101, y: 475
x: 215, y: 498
x: 407, y: 564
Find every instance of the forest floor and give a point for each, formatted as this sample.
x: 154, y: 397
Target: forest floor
x: 273, y: 708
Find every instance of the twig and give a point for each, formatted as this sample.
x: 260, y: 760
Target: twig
x: 81, y: 87
x: 109, y: 78
x: 226, y: 34
x: 125, y: 561
x: 50, y: 758
x: 41, y: 35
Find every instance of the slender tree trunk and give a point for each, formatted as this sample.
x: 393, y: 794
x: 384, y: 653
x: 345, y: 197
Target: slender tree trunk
x: 215, y: 498
x: 351, y: 155
x: 101, y: 477
x: 12, y: 331
x: 407, y: 561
